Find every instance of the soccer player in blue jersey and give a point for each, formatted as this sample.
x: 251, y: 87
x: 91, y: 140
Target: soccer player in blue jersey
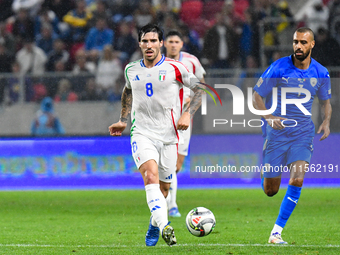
x: 289, y: 135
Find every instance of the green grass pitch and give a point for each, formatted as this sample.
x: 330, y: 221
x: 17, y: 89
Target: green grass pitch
x: 115, y: 222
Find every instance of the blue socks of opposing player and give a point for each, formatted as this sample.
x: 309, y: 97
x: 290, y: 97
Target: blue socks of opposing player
x: 262, y: 181
x: 288, y: 204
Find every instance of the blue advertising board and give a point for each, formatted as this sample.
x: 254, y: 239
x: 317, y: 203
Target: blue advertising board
x: 106, y: 163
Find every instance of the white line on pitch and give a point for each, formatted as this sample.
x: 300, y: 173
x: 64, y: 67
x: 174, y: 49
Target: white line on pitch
x: 189, y: 245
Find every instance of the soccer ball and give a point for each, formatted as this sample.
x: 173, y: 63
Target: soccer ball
x: 200, y: 221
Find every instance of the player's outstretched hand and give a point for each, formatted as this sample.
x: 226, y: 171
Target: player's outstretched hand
x: 184, y: 121
x: 326, y: 131
x: 116, y: 129
x: 275, y: 122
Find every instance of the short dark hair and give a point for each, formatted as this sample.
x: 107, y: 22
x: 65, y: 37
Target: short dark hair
x: 174, y: 33
x: 305, y: 30
x: 150, y: 28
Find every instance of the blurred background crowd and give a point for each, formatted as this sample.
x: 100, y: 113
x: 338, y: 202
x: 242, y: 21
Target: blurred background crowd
x: 74, y: 50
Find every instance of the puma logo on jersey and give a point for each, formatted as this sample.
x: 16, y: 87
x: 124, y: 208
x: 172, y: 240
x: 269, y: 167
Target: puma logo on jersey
x: 285, y: 79
x: 136, y: 78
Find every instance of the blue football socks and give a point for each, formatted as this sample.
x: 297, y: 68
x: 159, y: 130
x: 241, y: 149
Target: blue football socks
x: 288, y: 204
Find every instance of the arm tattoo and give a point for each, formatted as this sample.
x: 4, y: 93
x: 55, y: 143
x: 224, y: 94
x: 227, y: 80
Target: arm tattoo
x: 126, y: 105
x: 197, y: 99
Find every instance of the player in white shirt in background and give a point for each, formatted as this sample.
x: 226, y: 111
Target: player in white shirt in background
x: 152, y: 96
x: 173, y: 43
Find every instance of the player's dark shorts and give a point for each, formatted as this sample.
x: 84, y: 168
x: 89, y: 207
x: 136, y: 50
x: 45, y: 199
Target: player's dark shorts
x: 278, y: 154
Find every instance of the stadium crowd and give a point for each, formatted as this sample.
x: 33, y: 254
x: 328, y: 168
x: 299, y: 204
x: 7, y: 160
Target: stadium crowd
x: 92, y: 40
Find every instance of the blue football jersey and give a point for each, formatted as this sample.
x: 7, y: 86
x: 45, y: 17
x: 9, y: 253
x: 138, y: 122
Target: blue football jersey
x: 283, y: 74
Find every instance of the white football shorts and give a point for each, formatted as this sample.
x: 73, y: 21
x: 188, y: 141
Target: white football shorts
x: 165, y: 155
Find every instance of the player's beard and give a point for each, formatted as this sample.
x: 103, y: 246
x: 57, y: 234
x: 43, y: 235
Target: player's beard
x: 303, y: 56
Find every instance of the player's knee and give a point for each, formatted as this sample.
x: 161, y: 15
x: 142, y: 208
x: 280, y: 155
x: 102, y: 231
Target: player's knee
x: 150, y: 178
x: 298, y: 182
x: 271, y: 191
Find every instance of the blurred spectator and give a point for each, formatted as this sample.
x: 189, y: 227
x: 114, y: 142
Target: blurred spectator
x: 5, y: 59
x: 5, y: 10
x: 31, y: 58
x: 161, y: 11
x: 191, y: 39
x: 170, y: 22
x: 285, y: 13
x: 334, y: 19
x: 276, y: 55
x: 102, y: 11
x: 59, y: 7
x: 97, y: 38
x: 191, y: 10
x: 249, y: 75
x: 23, y: 26
x: 109, y: 71
x: 220, y: 45
x: 46, y: 122
x: 46, y: 17
x: 90, y: 4
x: 125, y: 43
x: 82, y: 65
x: 240, y: 6
x: 45, y: 39
x: 258, y: 13
x: 316, y: 16
x: 171, y: 5
x: 116, y: 92
x: 64, y: 92
x: 122, y: 9
x: 8, y: 39
x: 51, y: 81
x: 59, y: 66
x: 58, y: 54
x: 233, y: 20
x: 33, y: 6
x: 326, y: 50
x: 3, y: 83
x: 91, y: 92
x: 78, y: 21
x: 144, y: 14
x: 162, y: 7
x: 137, y: 55
x: 14, y: 87
x: 246, y: 38
x: 39, y: 91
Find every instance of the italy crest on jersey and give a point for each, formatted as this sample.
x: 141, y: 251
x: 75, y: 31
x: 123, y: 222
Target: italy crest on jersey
x: 162, y: 74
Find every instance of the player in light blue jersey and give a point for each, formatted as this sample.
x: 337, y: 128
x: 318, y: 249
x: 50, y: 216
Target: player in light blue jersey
x: 289, y: 130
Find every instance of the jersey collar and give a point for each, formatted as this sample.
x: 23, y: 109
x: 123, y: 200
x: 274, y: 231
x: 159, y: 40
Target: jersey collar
x: 158, y: 63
